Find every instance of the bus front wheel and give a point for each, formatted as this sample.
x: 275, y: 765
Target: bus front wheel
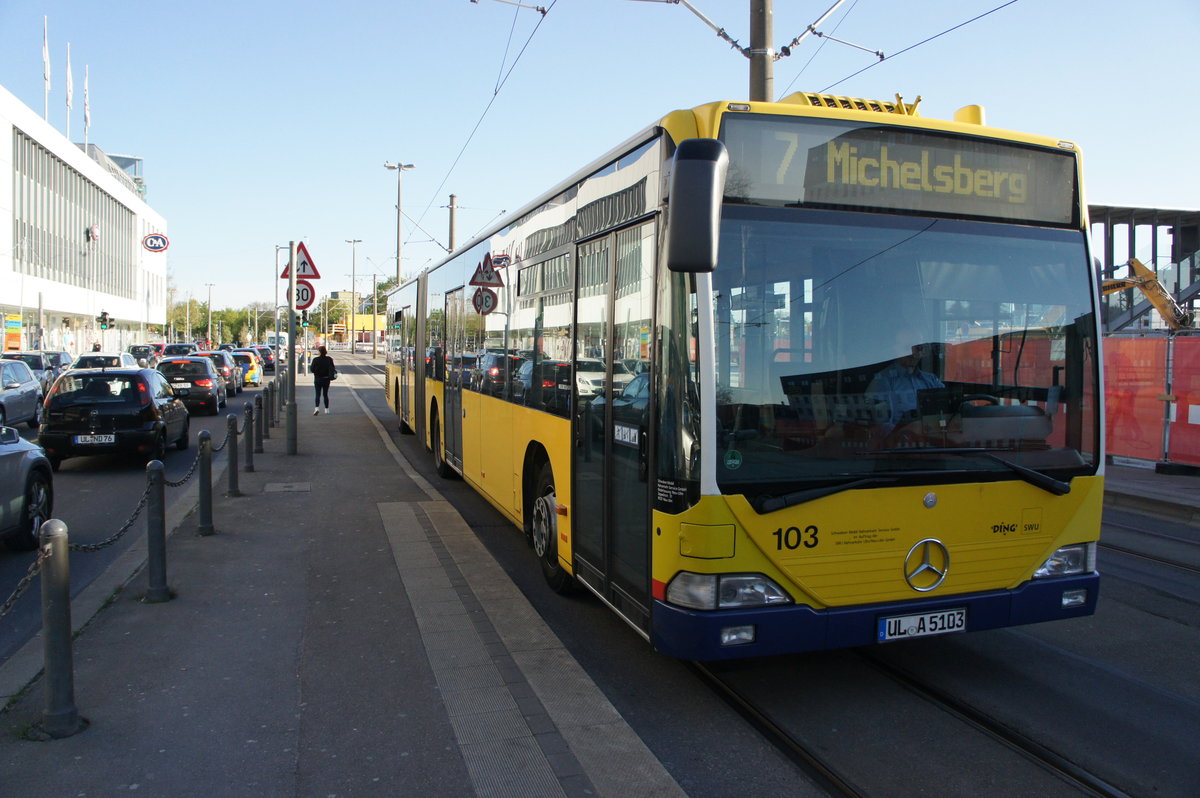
x: 544, y: 532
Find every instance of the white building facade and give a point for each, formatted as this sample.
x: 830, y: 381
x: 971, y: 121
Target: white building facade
x: 72, y: 225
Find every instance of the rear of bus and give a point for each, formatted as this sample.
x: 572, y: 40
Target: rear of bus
x: 879, y: 415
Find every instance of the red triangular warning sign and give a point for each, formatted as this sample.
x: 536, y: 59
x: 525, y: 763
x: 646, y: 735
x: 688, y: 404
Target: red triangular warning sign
x: 307, y: 269
x: 486, y: 274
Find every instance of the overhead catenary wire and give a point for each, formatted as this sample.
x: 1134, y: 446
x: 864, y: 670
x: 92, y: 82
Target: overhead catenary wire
x: 495, y: 93
x: 918, y: 44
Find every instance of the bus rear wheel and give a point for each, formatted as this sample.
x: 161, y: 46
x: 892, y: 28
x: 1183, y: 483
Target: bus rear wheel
x: 543, y: 530
x: 439, y: 460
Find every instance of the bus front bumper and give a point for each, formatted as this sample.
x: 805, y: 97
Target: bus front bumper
x: 697, y: 635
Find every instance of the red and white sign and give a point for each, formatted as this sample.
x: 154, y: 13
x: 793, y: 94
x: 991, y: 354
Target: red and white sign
x: 486, y: 274
x: 306, y: 268
x: 485, y: 301
x: 305, y: 295
x: 156, y: 242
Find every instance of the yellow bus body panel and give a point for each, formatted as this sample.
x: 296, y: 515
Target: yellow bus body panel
x: 997, y: 535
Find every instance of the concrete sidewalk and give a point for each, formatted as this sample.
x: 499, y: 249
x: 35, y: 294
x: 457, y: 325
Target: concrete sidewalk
x: 343, y: 633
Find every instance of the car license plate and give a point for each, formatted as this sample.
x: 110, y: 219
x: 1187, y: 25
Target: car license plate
x: 902, y: 627
x: 85, y: 439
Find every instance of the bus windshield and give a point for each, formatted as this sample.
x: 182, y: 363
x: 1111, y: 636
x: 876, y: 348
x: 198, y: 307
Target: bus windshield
x: 854, y: 345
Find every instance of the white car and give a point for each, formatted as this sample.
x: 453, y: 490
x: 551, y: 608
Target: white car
x: 589, y: 376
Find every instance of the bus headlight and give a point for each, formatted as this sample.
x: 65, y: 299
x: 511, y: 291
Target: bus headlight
x: 724, y: 591
x: 1078, y: 558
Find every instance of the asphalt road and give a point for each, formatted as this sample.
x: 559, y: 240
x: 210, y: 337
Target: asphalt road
x: 96, y: 496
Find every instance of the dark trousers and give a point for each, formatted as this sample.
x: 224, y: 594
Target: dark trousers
x: 322, y: 386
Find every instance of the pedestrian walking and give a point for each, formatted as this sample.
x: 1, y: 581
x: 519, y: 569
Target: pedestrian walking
x: 324, y: 372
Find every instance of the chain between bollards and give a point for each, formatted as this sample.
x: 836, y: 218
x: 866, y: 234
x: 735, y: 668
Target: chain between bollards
x: 156, y: 535
x: 60, y: 718
x: 204, y: 440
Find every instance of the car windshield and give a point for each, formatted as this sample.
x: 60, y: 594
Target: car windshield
x: 75, y: 388
x: 141, y: 351
x: 97, y: 361
x: 33, y: 361
x: 853, y: 344
x: 183, y: 368
x: 178, y: 349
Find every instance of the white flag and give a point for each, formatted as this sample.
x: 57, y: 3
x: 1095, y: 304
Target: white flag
x: 87, y: 107
x: 46, y: 52
x: 70, y: 82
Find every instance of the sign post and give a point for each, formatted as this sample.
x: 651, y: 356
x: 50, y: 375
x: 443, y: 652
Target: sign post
x: 292, y: 365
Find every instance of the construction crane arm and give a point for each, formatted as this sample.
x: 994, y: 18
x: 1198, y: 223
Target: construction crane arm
x: 1147, y: 282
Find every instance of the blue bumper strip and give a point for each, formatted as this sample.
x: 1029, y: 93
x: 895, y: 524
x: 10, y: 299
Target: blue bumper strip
x: 695, y: 635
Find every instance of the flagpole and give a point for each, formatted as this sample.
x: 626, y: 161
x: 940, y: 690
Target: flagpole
x: 87, y: 109
x: 46, y: 68
x: 70, y: 91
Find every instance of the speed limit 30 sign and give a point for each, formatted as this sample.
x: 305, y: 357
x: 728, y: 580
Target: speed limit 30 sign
x: 305, y: 295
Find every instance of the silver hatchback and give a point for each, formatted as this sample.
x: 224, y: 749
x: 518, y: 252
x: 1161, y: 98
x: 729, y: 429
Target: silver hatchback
x: 20, y: 394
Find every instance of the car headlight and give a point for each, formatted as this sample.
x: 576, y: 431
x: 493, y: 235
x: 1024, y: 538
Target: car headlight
x: 1078, y: 558
x: 724, y: 591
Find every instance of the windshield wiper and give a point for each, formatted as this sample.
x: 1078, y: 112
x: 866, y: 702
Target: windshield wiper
x: 1036, y: 478
x: 769, y: 504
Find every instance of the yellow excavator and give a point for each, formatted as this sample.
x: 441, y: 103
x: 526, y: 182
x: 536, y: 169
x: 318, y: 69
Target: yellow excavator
x: 1147, y: 281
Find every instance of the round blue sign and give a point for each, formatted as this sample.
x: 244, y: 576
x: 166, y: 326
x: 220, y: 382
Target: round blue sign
x: 156, y: 242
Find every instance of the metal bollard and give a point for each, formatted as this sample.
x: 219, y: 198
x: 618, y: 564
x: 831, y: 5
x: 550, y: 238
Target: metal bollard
x: 60, y: 718
x: 260, y: 429
x: 268, y: 418
x: 248, y: 412
x: 156, y: 535
x: 206, y: 501
x: 231, y: 424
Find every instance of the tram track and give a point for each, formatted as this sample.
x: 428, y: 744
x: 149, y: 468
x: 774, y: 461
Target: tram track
x: 804, y: 756
x: 808, y: 758
x: 1030, y: 749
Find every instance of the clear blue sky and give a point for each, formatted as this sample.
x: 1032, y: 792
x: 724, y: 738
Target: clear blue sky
x: 264, y: 121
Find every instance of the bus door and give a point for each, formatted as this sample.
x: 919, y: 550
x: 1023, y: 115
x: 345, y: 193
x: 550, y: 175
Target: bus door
x: 610, y: 408
x: 456, y: 371
x: 401, y: 351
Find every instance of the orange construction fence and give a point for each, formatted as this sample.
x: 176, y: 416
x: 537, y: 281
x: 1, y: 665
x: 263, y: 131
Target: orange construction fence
x: 1152, y: 393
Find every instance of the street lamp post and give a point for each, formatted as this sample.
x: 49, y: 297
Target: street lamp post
x: 275, y: 312
x: 353, y: 308
x: 210, y: 338
x: 400, y: 168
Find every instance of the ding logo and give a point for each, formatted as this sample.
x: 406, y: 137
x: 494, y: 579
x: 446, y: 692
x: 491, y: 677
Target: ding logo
x: 156, y: 242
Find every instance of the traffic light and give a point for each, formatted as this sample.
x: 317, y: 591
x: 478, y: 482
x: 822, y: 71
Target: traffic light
x: 103, y: 320
x: 304, y: 318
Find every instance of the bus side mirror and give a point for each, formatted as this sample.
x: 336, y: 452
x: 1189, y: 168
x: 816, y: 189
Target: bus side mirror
x: 694, y: 209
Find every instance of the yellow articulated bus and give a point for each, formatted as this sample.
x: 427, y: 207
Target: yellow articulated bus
x: 776, y: 377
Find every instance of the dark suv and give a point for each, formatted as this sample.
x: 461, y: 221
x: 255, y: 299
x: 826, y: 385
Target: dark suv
x: 495, y: 372
x: 112, y: 411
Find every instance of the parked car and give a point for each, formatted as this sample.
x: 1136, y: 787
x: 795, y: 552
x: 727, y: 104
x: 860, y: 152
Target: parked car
x: 494, y: 371
x: 196, y: 381
x: 589, y: 376
x: 20, y: 394
x: 228, y: 369
x: 26, y: 490
x: 105, y: 360
x: 39, y: 363
x: 145, y: 355
x: 548, y: 387
x: 268, y: 357
x: 112, y: 411
x: 250, y: 364
x: 179, y: 350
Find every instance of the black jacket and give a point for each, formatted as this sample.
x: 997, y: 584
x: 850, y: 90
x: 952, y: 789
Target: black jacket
x: 322, y: 366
